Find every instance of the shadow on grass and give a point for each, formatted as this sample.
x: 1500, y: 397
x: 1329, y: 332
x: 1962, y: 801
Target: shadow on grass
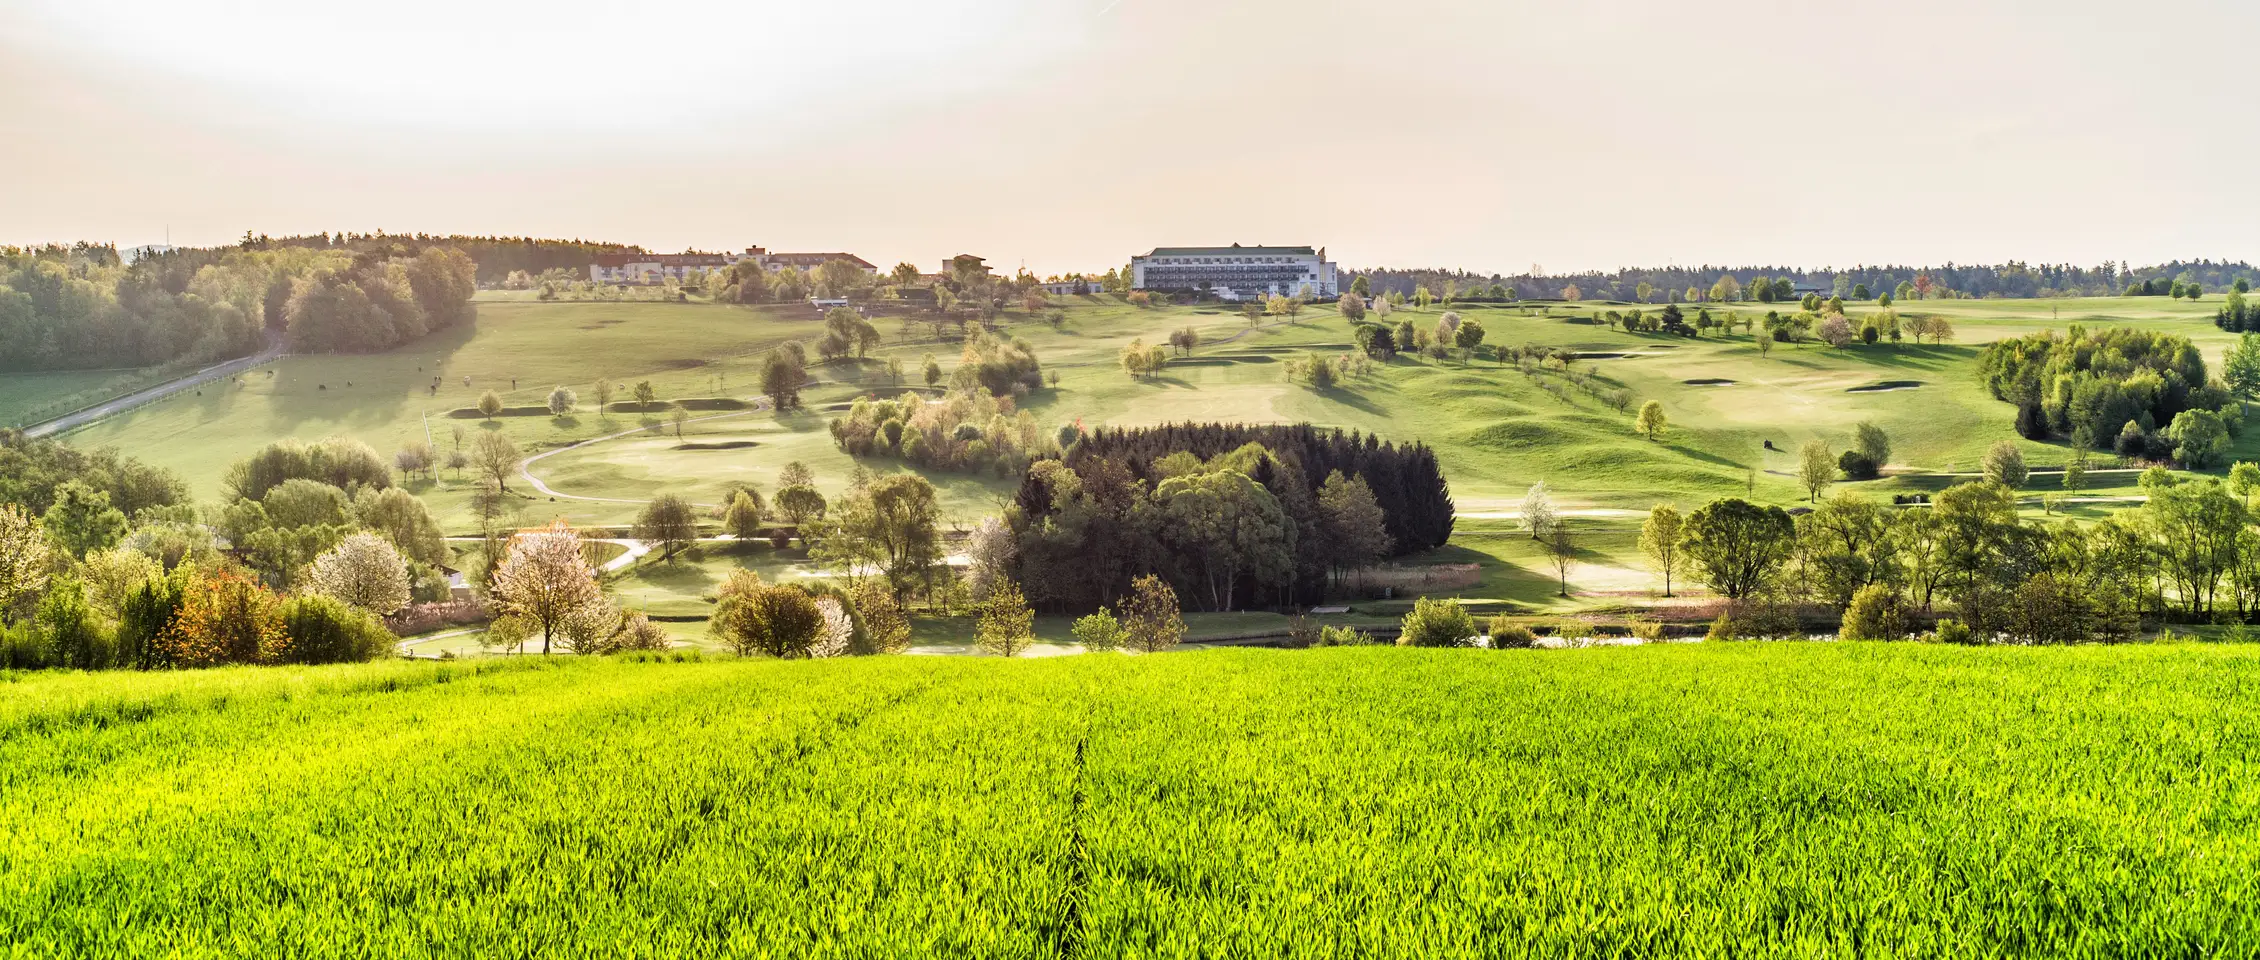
x: 1351, y: 399
x: 1704, y: 455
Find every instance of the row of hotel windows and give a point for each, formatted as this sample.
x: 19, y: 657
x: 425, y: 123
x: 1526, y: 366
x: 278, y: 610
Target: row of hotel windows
x: 1232, y: 259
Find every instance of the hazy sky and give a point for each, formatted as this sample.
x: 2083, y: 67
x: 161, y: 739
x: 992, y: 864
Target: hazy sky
x: 1070, y: 134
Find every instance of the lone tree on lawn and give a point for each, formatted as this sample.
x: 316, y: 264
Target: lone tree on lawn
x: 670, y: 522
x: 1561, y: 548
x: 752, y: 617
x: 743, y: 517
x: 561, y: 401
x: 2005, y: 465
x: 1872, y: 443
x: 1150, y: 615
x: 605, y: 389
x: 494, y: 456
x: 1816, y: 468
x: 545, y: 579
x: 645, y: 393
x: 1651, y: 420
x: 1660, y: 540
x: 1006, y: 620
x: 489, y: 404
x: 1538, y: 511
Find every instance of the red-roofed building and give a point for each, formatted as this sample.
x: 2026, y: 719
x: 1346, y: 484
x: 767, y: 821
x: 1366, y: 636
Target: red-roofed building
x: 684, y: 267
x: 808, y: 262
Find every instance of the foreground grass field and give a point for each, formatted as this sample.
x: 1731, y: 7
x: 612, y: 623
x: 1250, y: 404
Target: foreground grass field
x: 1717, y: 800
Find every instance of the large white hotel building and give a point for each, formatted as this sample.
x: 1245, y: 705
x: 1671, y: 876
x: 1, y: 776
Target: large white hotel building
x: 1237, y: 272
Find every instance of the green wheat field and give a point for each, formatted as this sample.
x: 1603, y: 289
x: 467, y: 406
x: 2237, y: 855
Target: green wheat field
x: 1715, y: 800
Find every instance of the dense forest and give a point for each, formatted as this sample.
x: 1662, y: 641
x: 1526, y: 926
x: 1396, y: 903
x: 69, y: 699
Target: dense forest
x: 83, y: 307
x: 2011, y: 279
x: 1230, y: 514
x: 497, y: 257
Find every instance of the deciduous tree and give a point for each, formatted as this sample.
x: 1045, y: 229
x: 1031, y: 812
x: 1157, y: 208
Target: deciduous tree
x: 742, y: 518
x: 82, y: 519
x: 545, y: 578
x: 1660, y: 537
x: 1739, y: 545
x: 2005, y: 464
x: 495, y: 458
x: 1816, y: 468
x: 364, y: 571
x: 1150, y: 615
x: 1006, y: 619
x: 751, y: 617
x: 24, y: 557
x: 1651, y: 421
x: 1538, y: 514
x: 670, y: 522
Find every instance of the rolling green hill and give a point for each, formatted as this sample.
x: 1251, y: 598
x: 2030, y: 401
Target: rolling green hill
x: 1496, y: 429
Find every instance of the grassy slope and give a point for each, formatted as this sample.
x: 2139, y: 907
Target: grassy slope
x: 1495, y: 430
x: 1722, y: 800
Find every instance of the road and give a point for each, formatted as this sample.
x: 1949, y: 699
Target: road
x: 73, y: 421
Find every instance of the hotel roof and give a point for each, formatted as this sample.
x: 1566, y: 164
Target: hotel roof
x: 1234, y: 250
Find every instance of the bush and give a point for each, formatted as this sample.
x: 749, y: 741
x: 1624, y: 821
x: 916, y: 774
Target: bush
x: 1508, y: 635
x: 321, y: 629
x: 1873, y: 615
x: 21, y: 648
x: 1721, y: 629
x: 1438, y: 623
x: 1952, y: 631
x: 1856, y: 466
x: 74, y: 637
x: 1573, y: 632
x: 1645, y: 631
x: 1343, y: 637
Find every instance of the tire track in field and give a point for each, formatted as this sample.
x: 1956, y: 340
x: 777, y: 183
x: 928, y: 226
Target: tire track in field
x: 1067, y: 940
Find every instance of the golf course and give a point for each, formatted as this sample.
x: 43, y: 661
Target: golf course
x: 1736, y: 418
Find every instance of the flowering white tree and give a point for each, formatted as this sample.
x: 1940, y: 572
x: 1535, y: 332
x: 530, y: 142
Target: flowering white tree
x: 989, y: 552
x: 545, y: 579
x: 837, y: 633
x: 23, y: 555
x: 1836, y: 330
x: 1538, y: 511
x: 364, y: 571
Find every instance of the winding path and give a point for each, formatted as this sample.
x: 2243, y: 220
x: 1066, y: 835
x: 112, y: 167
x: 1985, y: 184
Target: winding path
x: 526, y: 467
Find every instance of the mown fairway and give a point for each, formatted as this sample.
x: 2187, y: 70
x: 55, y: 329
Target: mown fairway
x: 1718, y: 800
